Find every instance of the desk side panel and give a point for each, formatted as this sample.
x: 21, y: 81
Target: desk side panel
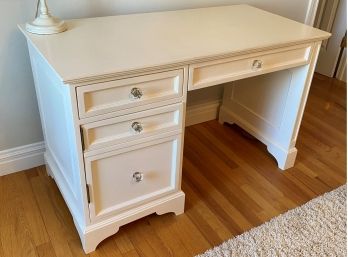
x: 63, y: 154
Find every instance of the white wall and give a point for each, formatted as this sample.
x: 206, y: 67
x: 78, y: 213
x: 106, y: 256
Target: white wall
x: 19, y: 118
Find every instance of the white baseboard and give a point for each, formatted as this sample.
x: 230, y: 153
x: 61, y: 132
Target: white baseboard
x: 202, y: 112
x: 21, y: 158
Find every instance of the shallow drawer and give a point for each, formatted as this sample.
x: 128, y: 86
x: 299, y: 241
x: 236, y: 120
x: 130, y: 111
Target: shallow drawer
x: 122, y: 94
x: 229, y: 69
x: 133, y: 126
x: 129, y: 177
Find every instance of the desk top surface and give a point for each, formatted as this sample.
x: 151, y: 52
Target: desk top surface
x: 101, y: 47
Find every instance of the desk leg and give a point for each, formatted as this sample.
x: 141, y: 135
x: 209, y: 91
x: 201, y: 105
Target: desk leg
x: 270, y: 107
x: 225, y: 117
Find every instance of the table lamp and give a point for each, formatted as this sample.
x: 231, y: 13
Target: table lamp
x: 45, y: 24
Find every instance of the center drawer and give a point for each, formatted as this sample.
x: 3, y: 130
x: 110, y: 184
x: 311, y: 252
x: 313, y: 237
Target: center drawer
x: 132, y: 127
x: 132, y: 176
x: 224, y: 70
x: 117, y: 95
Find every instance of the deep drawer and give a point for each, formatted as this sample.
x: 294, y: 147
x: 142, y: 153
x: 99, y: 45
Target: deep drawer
x: 229, y: 69
x: 132, y: 127
x: 122, y: 94
x: 129, y: 177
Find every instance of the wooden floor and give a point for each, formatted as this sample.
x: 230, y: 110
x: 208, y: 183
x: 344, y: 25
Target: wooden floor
x: 231, y: 183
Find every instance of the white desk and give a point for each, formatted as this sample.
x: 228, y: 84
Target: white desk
x: 112, y: 99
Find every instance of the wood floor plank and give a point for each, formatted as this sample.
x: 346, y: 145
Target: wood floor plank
x: 332, y: 115
x: 31, y: 209
x: 267, y: 207
x: 141, y: 244
x: 331, y: 181
x: 61, y: 209
x: 227, y: 193
x: 329, y: 134
x: 190, y: 235
x: 56, y: 228
x: 108, y: 248
x: 163, y: 227
x: 309, y: 192
x: 317, y: 144
x: 315, y: 184
x: 122, y: 241
x: 132, y: 253
x: 2, y: 253
x: 145, y: 232
x: 14, y: 233
x: 333, y: 178
x: 75, y: 248
x: 205, y: 220
x: 311, y: 153
x: 261, y: 165
x: 45, y: 250
x: 231, y: 183
x: 228, y: 206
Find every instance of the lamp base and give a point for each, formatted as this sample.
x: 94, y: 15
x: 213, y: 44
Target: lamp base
x: 46, y: 25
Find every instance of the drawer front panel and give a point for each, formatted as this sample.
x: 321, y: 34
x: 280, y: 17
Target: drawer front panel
x: 129, y: 177
x: 122, y: 94
x: 221, y: 71
x: 132, y: 127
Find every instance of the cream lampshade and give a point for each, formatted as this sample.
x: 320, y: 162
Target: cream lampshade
x: 45, y: 24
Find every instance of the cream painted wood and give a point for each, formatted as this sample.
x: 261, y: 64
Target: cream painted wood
x: 121, y: 129
x: 97, y: 232
x: 83, y: 79
x: 273, y: 113
x: 117, y: 95
x: 110, y: 176
x: 63, y: 155
x: 128, y: 143
x: 128, y: 44
x: 225, y: 70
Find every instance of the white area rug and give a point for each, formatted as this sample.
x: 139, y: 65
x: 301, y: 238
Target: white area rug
x: 317, y: 228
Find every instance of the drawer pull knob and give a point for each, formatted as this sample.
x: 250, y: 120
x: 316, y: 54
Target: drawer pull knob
x: 136, y: 93
x: 137, y: 127
x: 257, y: 64
x: 138, y: 176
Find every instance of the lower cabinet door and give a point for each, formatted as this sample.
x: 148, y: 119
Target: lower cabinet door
x: 126, y: 178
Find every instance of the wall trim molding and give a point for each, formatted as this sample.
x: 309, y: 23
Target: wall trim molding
x: 21, y: 158
x: 199, y: 113
x: 311, y: 12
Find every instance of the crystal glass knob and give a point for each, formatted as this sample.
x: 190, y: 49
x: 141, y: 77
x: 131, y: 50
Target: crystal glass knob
x: 257, y: 64
x: 138, y: 176
x: 136, y: 93
x: 137, y: 127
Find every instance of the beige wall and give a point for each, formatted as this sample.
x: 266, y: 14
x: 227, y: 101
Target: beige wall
x: 19, y: 118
